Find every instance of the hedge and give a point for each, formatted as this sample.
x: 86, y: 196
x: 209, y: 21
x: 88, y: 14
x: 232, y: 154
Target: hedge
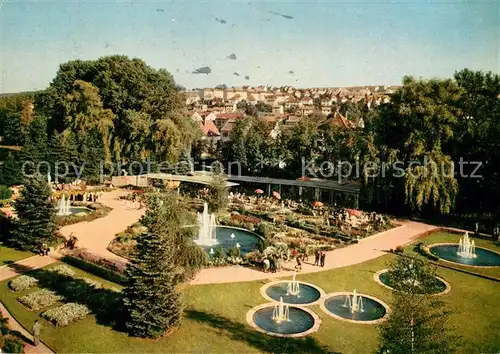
x: 97, y: 270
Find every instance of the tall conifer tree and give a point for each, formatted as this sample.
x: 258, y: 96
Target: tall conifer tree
x: 36, y: 216
x: 152, y: 303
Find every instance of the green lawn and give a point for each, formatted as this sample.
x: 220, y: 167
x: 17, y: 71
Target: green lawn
x: 214, y: 318
x: 9, y: 255
x: 446, y: 237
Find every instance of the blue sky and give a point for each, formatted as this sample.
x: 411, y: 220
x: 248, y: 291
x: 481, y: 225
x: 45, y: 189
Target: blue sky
x: 327, y: 43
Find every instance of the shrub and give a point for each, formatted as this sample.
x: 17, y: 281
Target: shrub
x: 264, y: 230
x: 399, y: 250
x: 63, y: 270
x: 39, y: 299
x: 66, y: 314
x: 22, y: 283
x: 11, y: 344
x: 5, y: 192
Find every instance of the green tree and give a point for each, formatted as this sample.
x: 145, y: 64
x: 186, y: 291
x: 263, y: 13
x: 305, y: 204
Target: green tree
x: 417, y: 123
x: 122, y: 86
x: 418, y: 322
x: 5, y: 192
x: 152, y: 303
x: 217, y: 197
x: 85, y: 112
x: 34, y: 154
x: 10, y: 171
x: 35, y: 221
x: 55, y: 152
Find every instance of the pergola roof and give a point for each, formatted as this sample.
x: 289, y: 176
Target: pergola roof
x: 316, y: 183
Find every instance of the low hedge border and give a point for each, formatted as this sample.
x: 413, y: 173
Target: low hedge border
x: 97, y: 270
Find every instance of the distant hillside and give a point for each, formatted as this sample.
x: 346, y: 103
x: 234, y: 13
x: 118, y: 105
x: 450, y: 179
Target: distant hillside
x: 18, y: 93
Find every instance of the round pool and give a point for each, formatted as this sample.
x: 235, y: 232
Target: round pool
x: 484, y: 257
x: 370, y: 310
x: 247, y: 240
x: 437, y: 286
x: 300, y: 321
x: 76, y: 210
x: 307, y: 294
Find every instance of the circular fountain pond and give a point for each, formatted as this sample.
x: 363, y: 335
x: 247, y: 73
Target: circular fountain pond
x: 297, y: 322
x: 78, y: 210
x: 247, y: 240
x: 358, y: 308
x: 439, y: 286
x: 303, y: 294
x: 449, y: 252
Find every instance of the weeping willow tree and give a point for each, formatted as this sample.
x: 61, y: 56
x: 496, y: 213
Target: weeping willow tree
x: 410, y: 132
x: 137, y: 109
x: 85, y: 112
x: 432, y: 183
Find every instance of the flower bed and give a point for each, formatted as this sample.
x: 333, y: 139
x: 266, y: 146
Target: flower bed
x: 103, y: 268
x: 93, y: 283
x: 66, y: 314
x: 39, y: 299
x: 63, y: 270
x: 245, y: 219
x: 23, y: 282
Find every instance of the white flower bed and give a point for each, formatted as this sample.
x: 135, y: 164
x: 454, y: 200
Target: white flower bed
x: 63, y: 270
x: 22, y: 283
x: 66, y: 314
x: 39, y: 299
x: 92, y: 283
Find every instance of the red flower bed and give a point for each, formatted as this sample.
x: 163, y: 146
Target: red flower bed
x: 246, y: 219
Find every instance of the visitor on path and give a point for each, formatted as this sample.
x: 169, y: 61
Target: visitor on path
x: 496, y: 233
x: 323, y: 256
x: 36, y: 333
x: 316, y: 258
x: 266, y: 265
x: 476, y: 229
x: 278, y: 264
x: 272, y: 263
x: 298, y: 267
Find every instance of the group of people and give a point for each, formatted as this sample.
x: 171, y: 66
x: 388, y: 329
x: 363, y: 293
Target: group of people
x: 43, y: 249
x: 71, y: 242
x: 271, y: 264
x: 319, y: 258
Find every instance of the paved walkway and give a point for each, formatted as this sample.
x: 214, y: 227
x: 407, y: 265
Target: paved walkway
x: 96, y: 235
x: 14, y: 325
x: 25, y: 265
x: 365, y: 250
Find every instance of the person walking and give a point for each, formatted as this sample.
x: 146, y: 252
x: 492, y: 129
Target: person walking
x: 272, y: 262
x: 266, y: 265
x: 323, y: 256
x: 36, y: 333
x: 298, y: 267
x: 316, y: 258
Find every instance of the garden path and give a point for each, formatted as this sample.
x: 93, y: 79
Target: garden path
x: 96, y: 235
x: 24, y: 265
x: 14, y: 325
x: 369, y: 248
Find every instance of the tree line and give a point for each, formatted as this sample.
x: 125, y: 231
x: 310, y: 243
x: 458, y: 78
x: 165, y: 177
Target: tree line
x: 110, y: 109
